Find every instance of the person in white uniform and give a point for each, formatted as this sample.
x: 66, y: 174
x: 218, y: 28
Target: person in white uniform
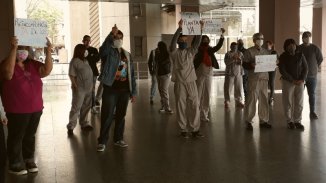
x: 257, y: 85
x: 233, y: 75
x: 184, y: 77
x: 81, y: 76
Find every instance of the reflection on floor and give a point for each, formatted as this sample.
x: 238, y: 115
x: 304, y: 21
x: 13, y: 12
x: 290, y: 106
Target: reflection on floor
x: 156, y: 153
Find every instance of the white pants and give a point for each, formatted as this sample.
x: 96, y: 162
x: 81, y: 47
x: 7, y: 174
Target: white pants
x: 187, y: 108
x: 163, y: 87
x: 80, y: 106
x: 229, y: 82
x: 292, y: 96
x: 257, y: 90
x: 204, y: 90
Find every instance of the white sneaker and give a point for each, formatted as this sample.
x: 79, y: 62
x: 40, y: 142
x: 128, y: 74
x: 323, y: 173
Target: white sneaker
x: 121, y: 143
x: 100, y: 148
x: 94, y: 110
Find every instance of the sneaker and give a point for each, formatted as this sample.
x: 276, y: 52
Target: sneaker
x: 31, y: 167
x: 97, y: 103
x: 18, y: 171
x: 161, y: 110
x: 271, y: 101
x: 94, y: 110
x: 240, y: 105
x: 226, y: 105
x: 313, y: 115
x: 87, y: 128
x: 291, y: 125
x: 299, y: 126
x: 100, y: 147
x: 249, y: 126
x: 265, y: 125
x: 184, y: 135
x: 205, y: 120
x: 70, y: 132
x: 169, y: 111
x: 121, y: 143
x: 197, y: 134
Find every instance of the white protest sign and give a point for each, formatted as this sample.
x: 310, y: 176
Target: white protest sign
x: 191, y: 23
x: 265, y: 63
x: 31, y: 32
x: 212, y: 26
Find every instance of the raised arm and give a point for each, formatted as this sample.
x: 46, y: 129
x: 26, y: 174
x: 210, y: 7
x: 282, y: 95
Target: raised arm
x: 8, y: 64
x: 176, y: 35
x: 46, y: 68
x: 220, y: 42
x: 108, y: 42
x: 197, y: 38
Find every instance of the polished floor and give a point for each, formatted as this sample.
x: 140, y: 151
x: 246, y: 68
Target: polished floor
x: 156, y: 153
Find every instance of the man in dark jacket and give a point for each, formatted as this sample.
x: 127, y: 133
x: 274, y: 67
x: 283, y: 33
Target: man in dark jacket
x: 152, y: 67
x: 204, y: 62
x: 92, y: 58
x: 314, y: 58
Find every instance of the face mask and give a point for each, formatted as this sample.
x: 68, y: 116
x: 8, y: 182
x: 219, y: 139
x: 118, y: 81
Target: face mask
x: 117, y: 43
x: 240, y: 46
x: 234, y: 49
x: 86, y: 53
x: 205, y: 43
x: 22, y: 54
x: 259, y: 42
x: 182, y: 45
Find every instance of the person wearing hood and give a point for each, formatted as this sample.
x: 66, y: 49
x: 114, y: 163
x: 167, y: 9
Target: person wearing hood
x: 314, y: 58
x: 294, y: 69
x: 184, y: 78
x: 257, y: 85
x: 204, y: 63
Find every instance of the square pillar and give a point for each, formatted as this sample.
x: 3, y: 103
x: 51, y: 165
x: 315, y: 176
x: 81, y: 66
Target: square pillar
x: 6, y: 26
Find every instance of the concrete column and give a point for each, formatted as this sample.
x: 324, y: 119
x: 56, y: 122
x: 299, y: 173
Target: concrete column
x: 267, y: 19
x: 6, y: 26
x: 319, y: 28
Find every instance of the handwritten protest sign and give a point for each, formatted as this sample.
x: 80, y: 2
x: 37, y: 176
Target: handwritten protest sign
x: 212, y: 26
x: 265, y: 63
x: 31, y: 32
x: 191, y: 23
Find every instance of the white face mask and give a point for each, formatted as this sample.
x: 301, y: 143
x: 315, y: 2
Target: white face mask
x: 117, y: 43
x: 22, y: 54
x: 86, y: 53
x: 259, y: 42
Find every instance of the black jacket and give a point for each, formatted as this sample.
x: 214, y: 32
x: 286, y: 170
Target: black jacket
x: 293, y: 67
x: 92, y: 58
x: 211, y: 50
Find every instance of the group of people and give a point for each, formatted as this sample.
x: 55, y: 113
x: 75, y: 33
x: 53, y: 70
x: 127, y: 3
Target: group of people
x: 190, y: 68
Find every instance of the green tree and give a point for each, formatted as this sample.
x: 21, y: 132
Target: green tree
x: 42, y: 10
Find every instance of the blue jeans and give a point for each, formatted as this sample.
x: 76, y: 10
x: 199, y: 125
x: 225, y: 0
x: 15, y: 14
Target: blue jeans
x: 311, y: 87
x: 153, y: 86
x: 113, y: 101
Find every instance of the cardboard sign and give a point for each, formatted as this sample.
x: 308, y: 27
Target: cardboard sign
x: 212, y: 26
x: 31, y: 32
x: 265, y: 63
x: 191, y: 23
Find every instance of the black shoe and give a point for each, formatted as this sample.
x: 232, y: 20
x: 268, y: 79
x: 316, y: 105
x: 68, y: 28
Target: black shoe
x: 197, y: 134
x: 31, y: 167
x: 249, y: 126
x: 18, y: 171
x: 265, y: 125
x: 70, y: 132
x: 151, y: 102
x: 184, y: 135
x: 97, y: 103
x: 313, y: 115
x: 299, y: 126
x: 87, y: 128
x: 291, y: 125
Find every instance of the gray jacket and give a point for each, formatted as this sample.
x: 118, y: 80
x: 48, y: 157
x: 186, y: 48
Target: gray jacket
x: 314, y: 58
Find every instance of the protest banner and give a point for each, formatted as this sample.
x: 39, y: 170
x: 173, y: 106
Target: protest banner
x: 191, y: 23
x: 265, y: 63
x: 31, y: 32
x: 212, y: 26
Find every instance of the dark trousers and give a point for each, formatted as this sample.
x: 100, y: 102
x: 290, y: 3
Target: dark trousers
x: 244, y: 82
x: 271, y: 83
x: 311, y: 84
x: 21, y: 137
x: 3, y: 156
x: 113, y: 101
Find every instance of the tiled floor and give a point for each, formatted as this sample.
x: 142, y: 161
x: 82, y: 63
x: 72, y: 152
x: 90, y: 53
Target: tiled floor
x: 227, y: 153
